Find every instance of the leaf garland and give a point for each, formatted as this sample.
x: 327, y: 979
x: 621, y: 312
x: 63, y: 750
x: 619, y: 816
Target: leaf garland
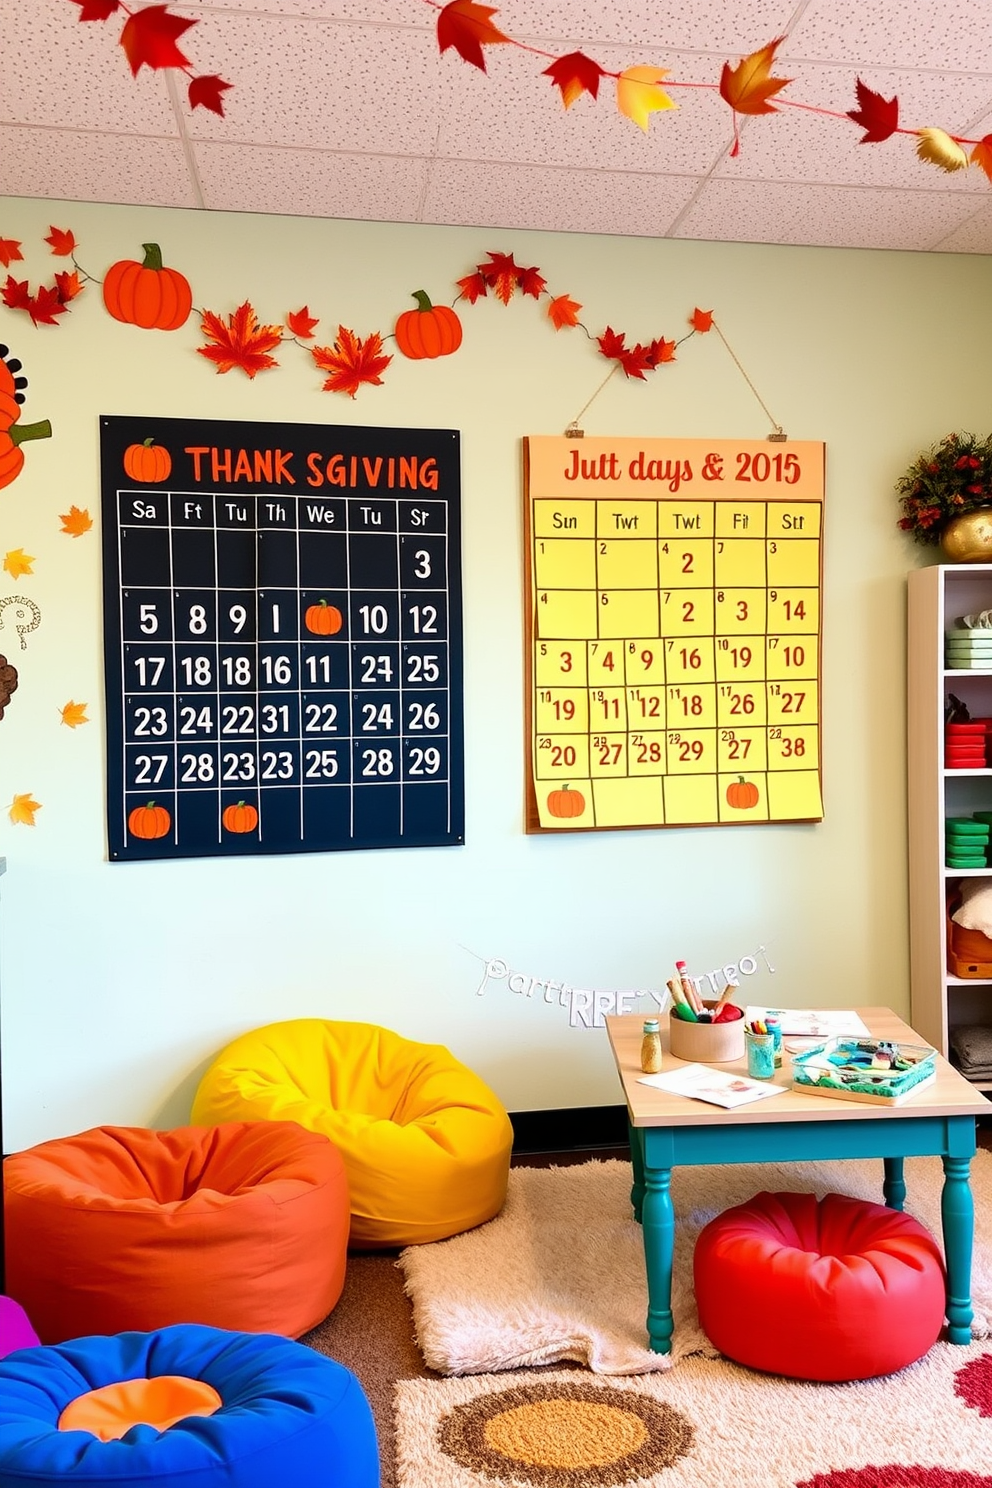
x: 242, y: 342
x: 150, y: 39
x: 746, y: 87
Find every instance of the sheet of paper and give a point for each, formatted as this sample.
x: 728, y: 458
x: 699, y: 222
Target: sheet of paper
x: 812, y: 1022
x: 701, y: 1082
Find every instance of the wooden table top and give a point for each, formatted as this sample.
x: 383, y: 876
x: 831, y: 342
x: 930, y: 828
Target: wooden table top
x: 950, y: 1095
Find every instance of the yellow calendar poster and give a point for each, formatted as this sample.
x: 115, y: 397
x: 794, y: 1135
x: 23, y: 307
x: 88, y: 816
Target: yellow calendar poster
x: 673, y: 636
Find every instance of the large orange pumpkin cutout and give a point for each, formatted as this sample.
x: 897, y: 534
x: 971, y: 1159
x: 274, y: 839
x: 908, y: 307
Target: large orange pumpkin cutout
x: 742, y: 794
x: 146, y: 294
x: 240, y: 818
x: 148, y: 462
x: 428, y: 331
x: 149, y: 821
x: 566, y: 802
x: 11, y: 437
x: 323, y: 619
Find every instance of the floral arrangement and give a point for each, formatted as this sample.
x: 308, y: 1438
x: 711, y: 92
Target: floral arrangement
x: 953, y: 476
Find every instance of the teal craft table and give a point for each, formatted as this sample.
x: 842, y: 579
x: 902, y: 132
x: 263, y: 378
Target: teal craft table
x: 670, y: 1130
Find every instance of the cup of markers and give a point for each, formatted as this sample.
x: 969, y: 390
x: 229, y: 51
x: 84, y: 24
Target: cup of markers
x: 703, y: 1030
x: 759, y: 1041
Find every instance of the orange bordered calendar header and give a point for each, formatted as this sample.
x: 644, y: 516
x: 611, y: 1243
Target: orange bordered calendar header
x: 673, y: 631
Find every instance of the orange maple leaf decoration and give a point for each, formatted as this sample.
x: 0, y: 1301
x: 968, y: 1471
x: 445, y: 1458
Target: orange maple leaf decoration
x: 563, y: 312
x: 10, y: 251
x: 701, y: 320
x: 466, y: 26
x: 76, y: 521
x: 22, y: 810
x: 61, y: 242
x: 243, y: 342
x: 503, y: 275
x: 981, y: 155
x: 748, y: 86
x: 351, y: 361
x: 302, y: 323
x: 73, y: 714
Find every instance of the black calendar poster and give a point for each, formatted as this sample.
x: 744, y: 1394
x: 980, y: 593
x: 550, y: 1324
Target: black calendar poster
x: 282, y: 636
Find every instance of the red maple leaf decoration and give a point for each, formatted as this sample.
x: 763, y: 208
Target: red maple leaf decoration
x: 473, y: 287
x: 243, y: 342
x: 10, y: 250
x: 502, y: 275
x: 69, y: 285
x: 149, y: 38
x: 563, y: 312
x: 637, y: 359
x: 574, y: 75
x: 878, y: 116
x: 61, y: 242
x: 466, y: 26
x: 351, y: 361
x: 46, y: 305
x: 97, y: 10
x: 16, y: 293
x: 531, y: 283
x: 661, y: 351
x: 302, y: 323
x: 204, y: 92
x: 701, y: 320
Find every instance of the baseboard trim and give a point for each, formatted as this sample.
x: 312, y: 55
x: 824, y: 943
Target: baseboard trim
x: 571, y: 1129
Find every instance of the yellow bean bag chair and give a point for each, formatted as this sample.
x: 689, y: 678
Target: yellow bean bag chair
x: 425, y: 1143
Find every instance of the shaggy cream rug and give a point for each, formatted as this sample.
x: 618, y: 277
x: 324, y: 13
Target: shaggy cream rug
x: 706, y: 1424
x: 559, y: 1273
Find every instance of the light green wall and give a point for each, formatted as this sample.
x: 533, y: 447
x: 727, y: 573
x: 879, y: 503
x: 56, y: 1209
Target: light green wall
x: 120, y: 981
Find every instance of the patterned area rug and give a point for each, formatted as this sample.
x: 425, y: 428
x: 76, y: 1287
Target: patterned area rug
x: 559, y: 1274
x: 703, y: 1425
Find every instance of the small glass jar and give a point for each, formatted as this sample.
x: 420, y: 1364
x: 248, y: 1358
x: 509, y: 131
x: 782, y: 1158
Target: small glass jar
x: 651, y: 1047
x: 774, y: 1025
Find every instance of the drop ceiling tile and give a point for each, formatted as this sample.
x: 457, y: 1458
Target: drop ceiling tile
x: 395, y: 13
x: 831, y: 216
x: 465, y: 194
x: 311, y: 183
x: 800, y: 145
x: 513, y: 113
x: 941, y: 34
x: 56, y: 70
x: 973, y: 235
x: 300, y: 83
x: 696, y: 25
x: 62, y: 164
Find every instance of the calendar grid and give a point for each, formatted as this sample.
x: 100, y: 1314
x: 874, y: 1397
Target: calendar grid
x: 283, y: 668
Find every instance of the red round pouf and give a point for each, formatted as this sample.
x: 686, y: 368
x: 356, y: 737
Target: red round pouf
x: 831, y: 1289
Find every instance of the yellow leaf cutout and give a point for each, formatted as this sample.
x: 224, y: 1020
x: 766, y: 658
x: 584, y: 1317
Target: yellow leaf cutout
x: 639, y: 94
x: 73, y: 714
x: 76, y: 521
x: 938, y: 148
x: 18, y: 562
x: 22, y: 810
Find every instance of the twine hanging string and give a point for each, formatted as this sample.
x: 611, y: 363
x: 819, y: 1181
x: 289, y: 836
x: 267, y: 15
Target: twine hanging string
x: 777, y: 436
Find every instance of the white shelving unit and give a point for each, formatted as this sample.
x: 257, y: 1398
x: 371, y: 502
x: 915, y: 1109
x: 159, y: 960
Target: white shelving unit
x: 938, y: 596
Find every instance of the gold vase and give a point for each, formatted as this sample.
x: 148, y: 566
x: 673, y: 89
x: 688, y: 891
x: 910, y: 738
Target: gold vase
x: 968, y: 538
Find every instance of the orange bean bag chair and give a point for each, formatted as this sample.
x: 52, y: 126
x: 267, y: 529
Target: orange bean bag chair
x: 425, y: 1142
x: 120, y: 1229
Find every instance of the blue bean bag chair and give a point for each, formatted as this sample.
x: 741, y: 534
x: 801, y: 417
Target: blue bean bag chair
x: 186, y: 1405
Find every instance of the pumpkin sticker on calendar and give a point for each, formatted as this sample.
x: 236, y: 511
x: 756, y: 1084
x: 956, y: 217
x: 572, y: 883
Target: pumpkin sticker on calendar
x: 742, y: 794
x: 147, y: 462
x: 566, y: 802
x: 149, y: 822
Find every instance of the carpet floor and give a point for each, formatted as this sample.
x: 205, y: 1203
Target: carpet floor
x: 372, y: 1331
